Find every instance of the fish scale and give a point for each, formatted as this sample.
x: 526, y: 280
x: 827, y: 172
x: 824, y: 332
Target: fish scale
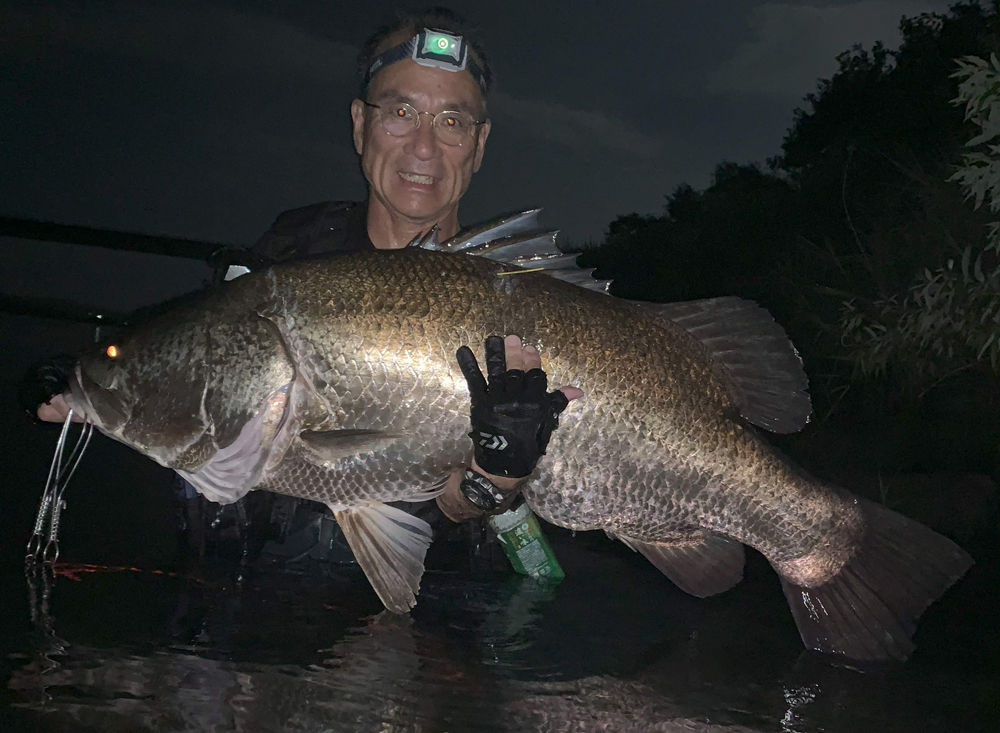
x: 341, y: 379
x: 675, y: 453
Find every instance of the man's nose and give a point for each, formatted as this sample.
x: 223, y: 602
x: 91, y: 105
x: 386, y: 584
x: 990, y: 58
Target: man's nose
x: 422, y: 143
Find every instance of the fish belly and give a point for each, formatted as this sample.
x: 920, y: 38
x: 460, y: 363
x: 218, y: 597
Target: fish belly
x: 719, y: 476
x: 393, y: 474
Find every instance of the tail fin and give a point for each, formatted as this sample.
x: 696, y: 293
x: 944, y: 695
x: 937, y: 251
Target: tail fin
x: 868, y: 611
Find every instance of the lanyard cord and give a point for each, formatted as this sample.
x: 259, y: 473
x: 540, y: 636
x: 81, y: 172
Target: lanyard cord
x: 51, y: 506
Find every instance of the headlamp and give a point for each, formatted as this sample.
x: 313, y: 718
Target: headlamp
x: 440, y: 50
x: 434, y: 48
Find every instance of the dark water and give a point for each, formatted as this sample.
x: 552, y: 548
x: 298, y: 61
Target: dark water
x: 121, y: 640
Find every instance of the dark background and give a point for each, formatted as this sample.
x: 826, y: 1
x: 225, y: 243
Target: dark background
x: 205, y: 120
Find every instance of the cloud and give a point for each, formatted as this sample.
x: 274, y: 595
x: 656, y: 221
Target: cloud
x: 575, y: 128
x: 206, y: 39
x: 794, y: 45
x: 209, y: 40
x: 198, y: 121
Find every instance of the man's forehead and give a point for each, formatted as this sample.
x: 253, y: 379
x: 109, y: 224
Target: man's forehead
x: 407, y: 81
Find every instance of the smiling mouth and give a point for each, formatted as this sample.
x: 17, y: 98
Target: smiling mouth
x: 417, y: 178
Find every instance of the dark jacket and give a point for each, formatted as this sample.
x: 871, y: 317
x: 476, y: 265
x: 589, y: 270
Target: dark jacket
x: 318, y: 229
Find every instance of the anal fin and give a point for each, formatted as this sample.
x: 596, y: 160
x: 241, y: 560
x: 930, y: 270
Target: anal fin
x: 390, y: 546
x: 703, y: 566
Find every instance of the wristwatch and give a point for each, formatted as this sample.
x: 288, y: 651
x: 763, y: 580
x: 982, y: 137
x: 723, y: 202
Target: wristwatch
x: 482, y: 492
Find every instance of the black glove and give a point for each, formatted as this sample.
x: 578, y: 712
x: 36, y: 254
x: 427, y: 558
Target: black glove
x: 513, y: 416
x: 43, y: 381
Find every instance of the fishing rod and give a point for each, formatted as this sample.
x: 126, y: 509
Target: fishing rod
x: 44, y: 231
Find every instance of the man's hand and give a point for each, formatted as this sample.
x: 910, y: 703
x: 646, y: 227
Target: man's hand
x: 56, y: 410
x: 41, y: 389
x: 513, y: 415
x: 512, y: 395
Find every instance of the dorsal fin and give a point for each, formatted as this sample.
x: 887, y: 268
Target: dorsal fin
x: 547, y: 262
x: 539, y: 252
x: 428, y: 240
x: 584, y: 277
x: 516, y: 239
x: 753, y: 351
x: 509, y: 225
x: 754, y: 354
x: 518, y: 247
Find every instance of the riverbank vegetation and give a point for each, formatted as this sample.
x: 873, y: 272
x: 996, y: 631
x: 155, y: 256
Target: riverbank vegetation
x: 870, y: 236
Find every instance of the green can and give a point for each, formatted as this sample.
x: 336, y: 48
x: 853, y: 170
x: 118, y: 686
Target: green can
x: 526, y: 547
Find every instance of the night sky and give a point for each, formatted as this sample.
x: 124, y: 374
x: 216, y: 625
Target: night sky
x: 206, y: 120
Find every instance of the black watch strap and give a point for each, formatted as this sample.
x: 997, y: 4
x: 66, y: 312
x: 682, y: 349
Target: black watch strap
x: 481, y: 491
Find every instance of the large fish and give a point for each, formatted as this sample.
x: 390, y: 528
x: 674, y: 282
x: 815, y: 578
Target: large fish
x: 336, y: 380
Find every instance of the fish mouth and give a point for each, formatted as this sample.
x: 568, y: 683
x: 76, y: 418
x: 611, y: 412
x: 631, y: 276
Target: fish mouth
x: 95, y: 403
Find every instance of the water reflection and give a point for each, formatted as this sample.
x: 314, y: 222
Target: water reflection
x: 118, y: 649
x: 223, y: 662
x: 382, y: 674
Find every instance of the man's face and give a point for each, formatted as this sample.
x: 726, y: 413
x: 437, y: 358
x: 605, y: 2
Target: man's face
x: 417, y: 177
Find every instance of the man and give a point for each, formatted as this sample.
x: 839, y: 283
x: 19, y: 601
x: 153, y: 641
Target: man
x: 420, y: 127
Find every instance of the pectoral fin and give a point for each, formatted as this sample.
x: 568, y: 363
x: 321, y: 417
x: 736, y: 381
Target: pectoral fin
x: 236, y: 469
x: 703, y: 566
x: 389, y: 545
x: 324, y: 448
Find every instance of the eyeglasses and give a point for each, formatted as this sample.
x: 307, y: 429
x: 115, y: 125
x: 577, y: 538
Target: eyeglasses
x: 451, y: 128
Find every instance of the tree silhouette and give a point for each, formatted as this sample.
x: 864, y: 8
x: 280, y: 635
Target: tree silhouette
x: 855, y: 205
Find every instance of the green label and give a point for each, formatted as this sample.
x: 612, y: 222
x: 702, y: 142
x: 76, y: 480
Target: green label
x: 526, y: 547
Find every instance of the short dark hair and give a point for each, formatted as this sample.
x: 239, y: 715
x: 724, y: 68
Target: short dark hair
x: 438, y: 18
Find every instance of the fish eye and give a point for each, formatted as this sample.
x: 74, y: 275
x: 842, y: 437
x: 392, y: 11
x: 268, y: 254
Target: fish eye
x: 113, y: 352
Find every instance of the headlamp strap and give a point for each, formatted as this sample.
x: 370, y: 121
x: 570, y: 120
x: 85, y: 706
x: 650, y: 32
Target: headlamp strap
x: 430, y: 47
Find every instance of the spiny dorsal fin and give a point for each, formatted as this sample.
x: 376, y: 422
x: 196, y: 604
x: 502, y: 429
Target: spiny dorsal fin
x: 428, y: 240
x: 760, y: 363
x: 539, y: 252
x: 520, y: 246
x: 509, y: 225
x: 517, y: 240
x: 547, y: 262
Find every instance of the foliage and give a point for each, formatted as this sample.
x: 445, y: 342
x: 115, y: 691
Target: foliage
x: 858, y: 201
x: 721, y: 240
x: 980, y: 171
x: 947, y: 321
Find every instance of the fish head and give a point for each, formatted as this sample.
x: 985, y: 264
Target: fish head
x: 186, y: 384
x: 98, y: 389
x: 146, y: 389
